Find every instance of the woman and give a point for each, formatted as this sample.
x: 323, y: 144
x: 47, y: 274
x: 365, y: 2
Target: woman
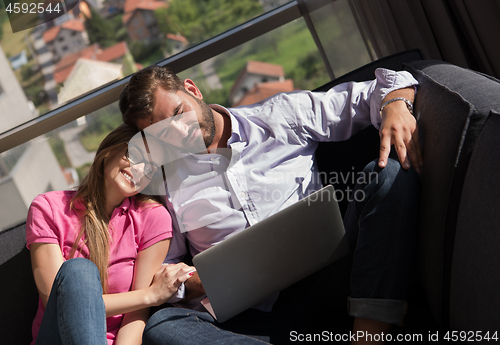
x: 97, y: 254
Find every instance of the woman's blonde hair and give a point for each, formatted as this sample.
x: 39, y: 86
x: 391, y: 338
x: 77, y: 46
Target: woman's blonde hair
x: 94, y: 220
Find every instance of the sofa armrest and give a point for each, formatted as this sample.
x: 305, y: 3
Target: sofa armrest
x: 19, y: 300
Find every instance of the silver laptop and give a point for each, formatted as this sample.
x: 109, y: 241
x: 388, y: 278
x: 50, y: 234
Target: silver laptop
x: 273, y: 254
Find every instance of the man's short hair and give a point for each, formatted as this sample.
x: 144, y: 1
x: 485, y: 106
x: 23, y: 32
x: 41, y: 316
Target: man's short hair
x: 137, y: 100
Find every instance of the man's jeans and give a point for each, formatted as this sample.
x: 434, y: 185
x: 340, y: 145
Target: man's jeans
x: 176, y: 326
x: 75, y: 313
x: 381, y: 227
x: 382, y: 232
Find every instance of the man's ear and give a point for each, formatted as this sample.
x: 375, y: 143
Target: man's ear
x: 191, y: 87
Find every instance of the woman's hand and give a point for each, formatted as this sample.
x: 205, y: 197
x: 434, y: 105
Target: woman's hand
x: 167, y: 280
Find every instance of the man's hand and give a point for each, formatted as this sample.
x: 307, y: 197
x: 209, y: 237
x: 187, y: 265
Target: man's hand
x: 194, y: 288
x: 399, y: 128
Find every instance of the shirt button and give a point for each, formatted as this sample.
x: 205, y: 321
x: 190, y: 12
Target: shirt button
x: 243, y: 194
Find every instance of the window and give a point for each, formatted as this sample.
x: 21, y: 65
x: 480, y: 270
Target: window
x: 195, y: 20
x: 283, y: 40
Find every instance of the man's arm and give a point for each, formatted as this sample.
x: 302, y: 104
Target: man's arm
x: 399, y: 128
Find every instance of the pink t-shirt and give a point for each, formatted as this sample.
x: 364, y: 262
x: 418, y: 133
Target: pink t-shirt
x: 132, y: 229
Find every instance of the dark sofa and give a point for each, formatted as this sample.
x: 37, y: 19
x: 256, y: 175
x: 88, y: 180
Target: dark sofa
x: 456, y: 279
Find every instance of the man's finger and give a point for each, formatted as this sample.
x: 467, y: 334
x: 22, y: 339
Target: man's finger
x: 402, y: 154
x: 385, y: 149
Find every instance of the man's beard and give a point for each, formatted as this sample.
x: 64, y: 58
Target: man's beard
x: 208, y: 125
x: 207, y: 130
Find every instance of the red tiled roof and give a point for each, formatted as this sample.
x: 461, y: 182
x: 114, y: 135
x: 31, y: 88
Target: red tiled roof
x: 51, y: 34
x: 65, y: 66
x: 151, y: 5
x: 133, y: 5
x: 264, y: 90
x: 258, y: 67
x: 72, y: 24
x: 130, y: 5
x: 177, y: 38
x: 114, y: 52
x: 93, y: 52
x: 264, y: 68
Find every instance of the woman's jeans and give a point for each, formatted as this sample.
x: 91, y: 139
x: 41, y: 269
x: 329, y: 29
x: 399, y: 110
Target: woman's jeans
x: 75, y: 313
x: 381, y: 228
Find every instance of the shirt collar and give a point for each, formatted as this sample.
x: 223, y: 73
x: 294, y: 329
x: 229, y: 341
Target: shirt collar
x: 237, y: 134
x: 125, y: 205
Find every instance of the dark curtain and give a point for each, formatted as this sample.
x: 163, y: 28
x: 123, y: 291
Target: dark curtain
x: 462, y: 32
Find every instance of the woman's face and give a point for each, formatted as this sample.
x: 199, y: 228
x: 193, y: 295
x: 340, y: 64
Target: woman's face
x: 119, y: 177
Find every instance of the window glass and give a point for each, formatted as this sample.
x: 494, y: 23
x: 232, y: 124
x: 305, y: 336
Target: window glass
x: 286, y: 59
x: 340, y: 37
x: 121, y: 33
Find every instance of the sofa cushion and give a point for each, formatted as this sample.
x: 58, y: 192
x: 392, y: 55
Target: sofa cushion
x: 475, y: 280
x: 451, y: 106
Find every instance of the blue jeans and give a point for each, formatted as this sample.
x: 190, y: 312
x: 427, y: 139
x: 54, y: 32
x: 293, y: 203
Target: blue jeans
x: 381, y: 228
x: 382, y: 233
x: 177, y: 326
x: 75, y: 312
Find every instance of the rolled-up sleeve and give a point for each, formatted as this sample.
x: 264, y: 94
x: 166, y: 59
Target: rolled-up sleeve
x: 343, y: 110
x: 386, y: 82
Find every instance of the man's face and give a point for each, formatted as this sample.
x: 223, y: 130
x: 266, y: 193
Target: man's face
x: 187, y: 123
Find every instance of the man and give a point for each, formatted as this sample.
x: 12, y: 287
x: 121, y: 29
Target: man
x: 247, y: 163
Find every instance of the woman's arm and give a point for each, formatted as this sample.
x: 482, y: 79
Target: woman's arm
x: 46, y: 259
x: 147, y: 264
x: 148, y: 268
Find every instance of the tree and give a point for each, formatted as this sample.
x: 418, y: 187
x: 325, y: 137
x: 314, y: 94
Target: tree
x: 180, y: 17
x: 198, y: 20
x: 99, y: 30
